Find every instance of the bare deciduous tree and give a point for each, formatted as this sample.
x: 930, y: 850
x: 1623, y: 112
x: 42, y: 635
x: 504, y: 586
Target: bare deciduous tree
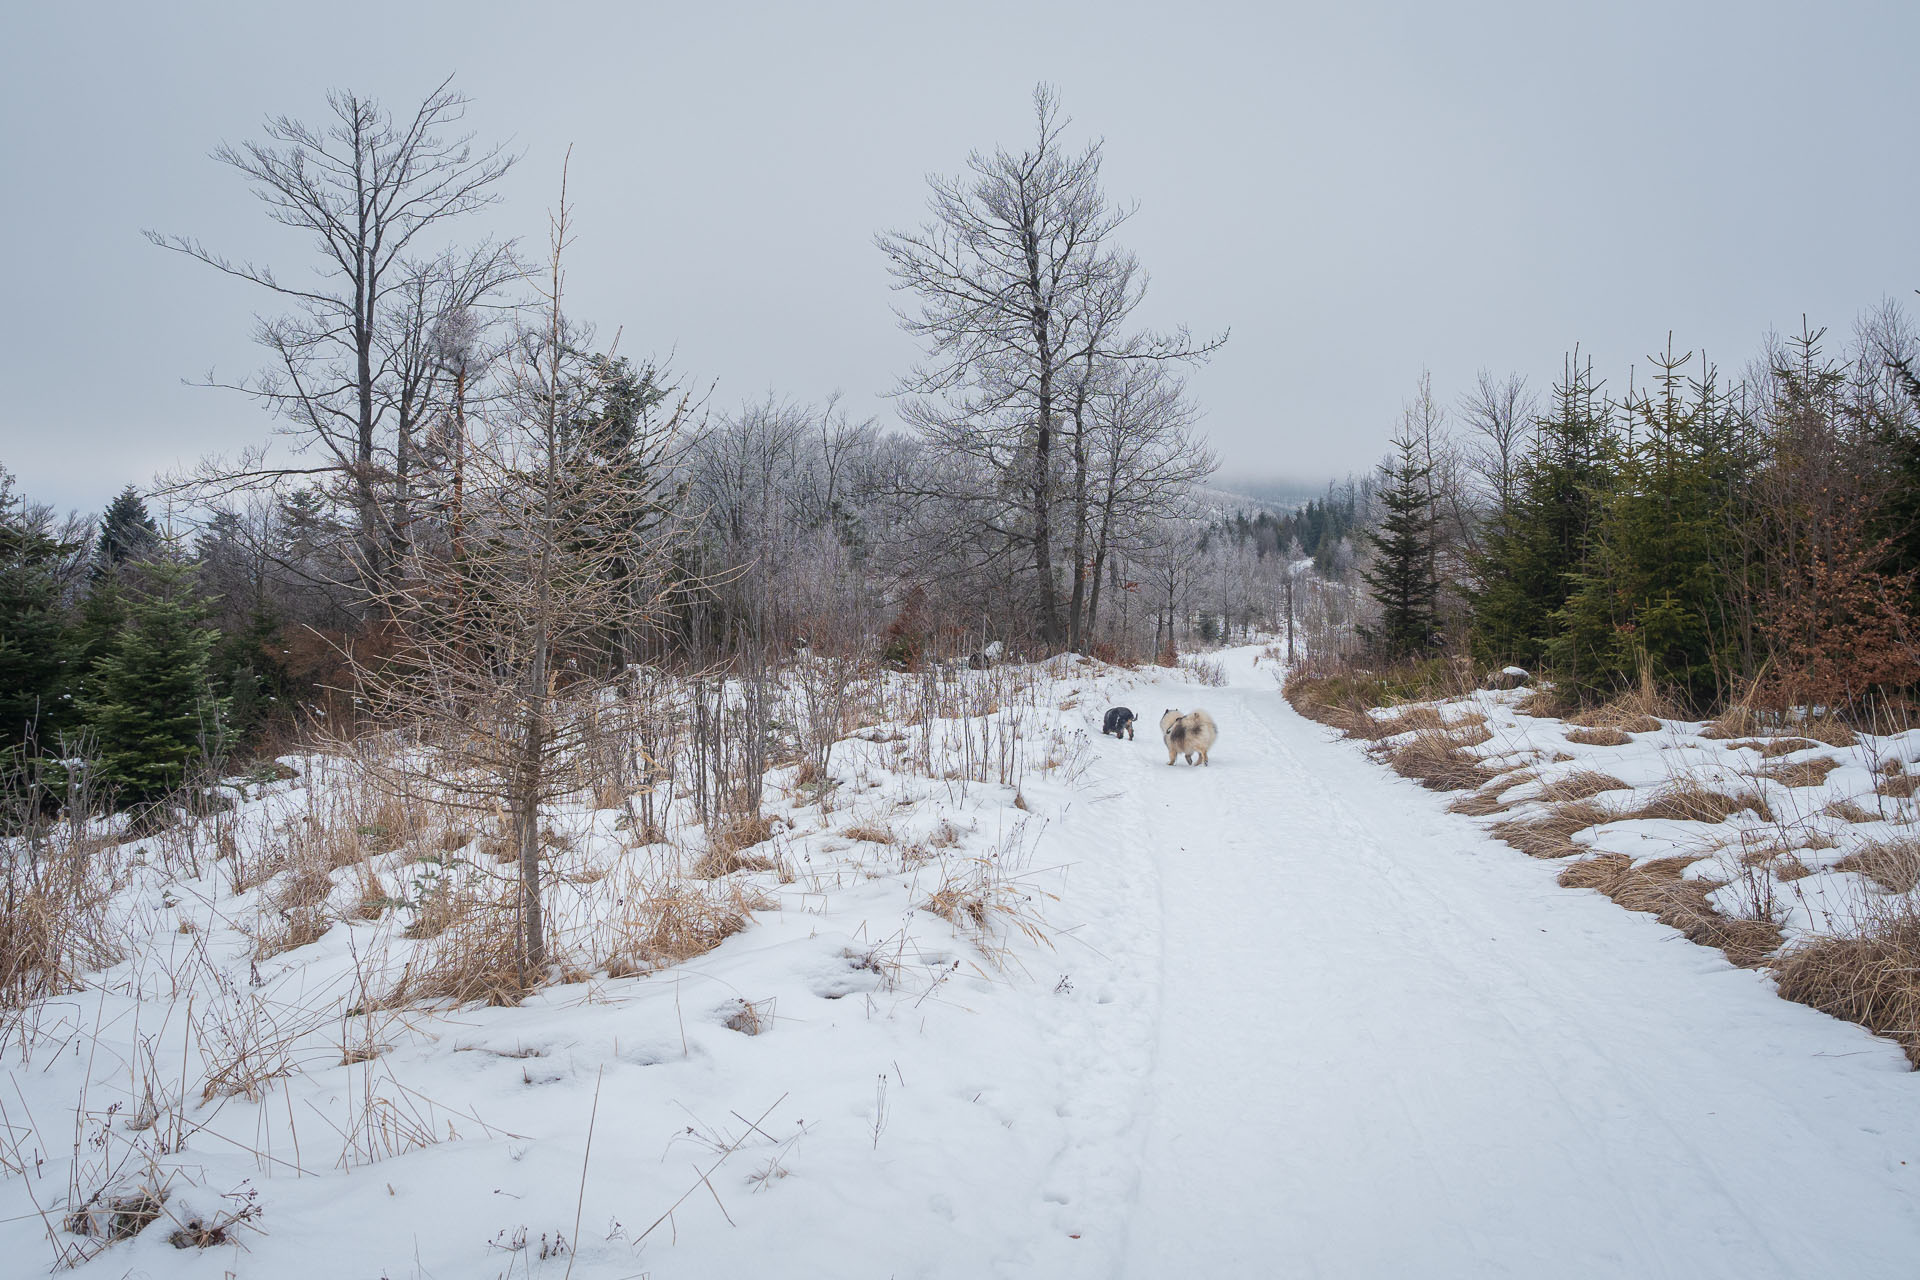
x: 1498, y: 413
x: 370, y: 191
x: 1019, y: 295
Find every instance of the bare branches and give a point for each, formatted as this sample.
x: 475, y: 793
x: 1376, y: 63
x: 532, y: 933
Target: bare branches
x: 1021, y: 299
x: 349, y: 371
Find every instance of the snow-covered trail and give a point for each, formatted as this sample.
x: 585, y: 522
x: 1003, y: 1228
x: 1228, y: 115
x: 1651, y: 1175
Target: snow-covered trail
x: 1359, y: 1038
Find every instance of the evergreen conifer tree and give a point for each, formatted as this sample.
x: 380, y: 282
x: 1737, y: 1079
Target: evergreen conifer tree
x: 36, y: 652
x: 127, y: 533
x: 1401, y: 577
x: 1657, y: 589
x: 152, y: 705
x: 1526, y: 570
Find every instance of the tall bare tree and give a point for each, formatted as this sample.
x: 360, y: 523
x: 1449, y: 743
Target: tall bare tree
x: 370, y: 191
x: 1018, y: 293
x: 1498, y: 414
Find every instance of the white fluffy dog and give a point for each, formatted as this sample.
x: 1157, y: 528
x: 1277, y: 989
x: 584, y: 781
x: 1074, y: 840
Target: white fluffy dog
x: 1190, y: 735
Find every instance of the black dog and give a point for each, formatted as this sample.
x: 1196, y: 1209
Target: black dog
x: 1119, y: 721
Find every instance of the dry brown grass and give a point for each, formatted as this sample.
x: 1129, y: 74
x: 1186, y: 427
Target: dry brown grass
x: 55, y: 927
x: 1487, y: 800
x: 1599, y: 737
x: 1613, y: 715
x: 1893, y: 864
x: 727, y: 848
x: 1743, y: 721
x: 1580, y: 786
x: 1542, y: 703
x: 1688, y: 800
x: 673, y: 922
x: 1900, y: 788
x: 1410, y: 718
x: 1638, y: 711
x: 475, y: 960
x: 1659, y: 887
x: 872, y: 832
x: 1551, y: 836
x: 1770, y: 748
x: 1437, y: 761
x: 1872, y: 979
x: 1800, y: 773
x: 1848, y: 811
x: 1338, y: 699
x: 1833, y: 732
x: 1789, y: 867
x: 944, y: 836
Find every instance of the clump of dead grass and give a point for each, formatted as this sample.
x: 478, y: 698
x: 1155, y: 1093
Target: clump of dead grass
x: 1660, y: 887
x: 1607, y: 737
x: 666, y: 923
x: 1618, y: 716
x: 1580, y: 786
x: 118, y: 1216
x: 749, y: 1017
x: 1800, y: 773
x: 1871, y: 978
x: 1771, y: 748
x: 471, y: 953
x: 1745, y: 721
x: 1848, y: 811
x: 1900, y: 787
x: 1551, y: 835
x: 728, y: 845
x: 1438, y: 761
x: 872, y: 833
x: 1689, y: 800
x: 1893, y: 864
x: 1488, y: 800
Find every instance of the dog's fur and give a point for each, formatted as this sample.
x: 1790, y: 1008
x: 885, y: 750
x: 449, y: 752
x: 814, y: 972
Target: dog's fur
x: 1190, y: 735
x: 1119, y: 721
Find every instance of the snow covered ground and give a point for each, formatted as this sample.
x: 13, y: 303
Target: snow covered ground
x: 1281, y: 1016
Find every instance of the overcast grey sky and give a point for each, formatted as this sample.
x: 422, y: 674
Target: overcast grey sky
x: 1357, y: 190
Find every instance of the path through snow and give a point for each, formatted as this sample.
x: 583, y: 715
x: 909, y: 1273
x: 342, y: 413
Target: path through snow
x: 1344, y: 1033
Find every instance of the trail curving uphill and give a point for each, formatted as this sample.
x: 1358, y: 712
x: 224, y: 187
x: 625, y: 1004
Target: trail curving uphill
x: 1346, y: 1034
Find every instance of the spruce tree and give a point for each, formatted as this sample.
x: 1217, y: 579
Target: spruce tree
x: 152, y: 704
x: 127, y: 533
x: 37, y: 656
x: 1531, y: 554
x: 1401, y: 576
x: 1658, y: 587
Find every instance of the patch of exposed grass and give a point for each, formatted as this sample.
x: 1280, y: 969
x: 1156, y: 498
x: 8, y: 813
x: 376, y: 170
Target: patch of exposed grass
x: 1770, y: 748
x: 1487, y: 800
x: 1872, y: 978
x: 1551, y: 835
x: 1687, y: 800
x: 1742, y: 721
x: 1660, y: 887
x: 1892, y: 864
x: 1800, y: 773
x: 1435, y: 759
x: 1608, y: 737
x: 1614, y: 715
x: 1342, y: 697
x: 1900, y: 788
x: 1848, y: 811
x: 1580, y: 786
